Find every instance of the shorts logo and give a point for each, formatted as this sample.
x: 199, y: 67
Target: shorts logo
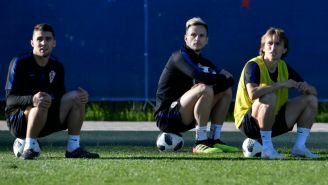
x: 52, y: 75
x: 173, y: 104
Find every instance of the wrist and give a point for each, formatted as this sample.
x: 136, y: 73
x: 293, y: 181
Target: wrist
x: 275, y: 86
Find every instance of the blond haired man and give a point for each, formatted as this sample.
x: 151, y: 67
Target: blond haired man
x: 192, y: 90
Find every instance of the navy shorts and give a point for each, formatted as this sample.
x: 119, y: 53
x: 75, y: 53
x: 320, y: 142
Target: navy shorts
x: 250, y: 128
x: 17, y: 123
x: 170, y: 121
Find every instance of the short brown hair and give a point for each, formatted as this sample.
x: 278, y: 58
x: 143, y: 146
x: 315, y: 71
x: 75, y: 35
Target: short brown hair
x: 44, y: 27
x: 280, y: 33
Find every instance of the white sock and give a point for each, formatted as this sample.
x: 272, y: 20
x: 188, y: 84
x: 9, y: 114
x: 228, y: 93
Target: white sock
x: 31, y: 143
x: 301, y: 137
x: 21, y: 140
x: 215, y: 131
x: 266, y: 140
x: 73, y: 142
x: 201, y: 133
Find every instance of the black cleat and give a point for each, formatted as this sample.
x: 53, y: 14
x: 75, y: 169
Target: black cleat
x: 81, y: 153
x: 29, y: 154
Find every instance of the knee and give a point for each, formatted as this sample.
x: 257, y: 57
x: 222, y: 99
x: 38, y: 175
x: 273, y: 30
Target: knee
x: 73, y: 100
x: 42, y: 106
x: 268, y: 99
x: 206, y: 90
x: 227, y: 93
x: 76, y: 102
x: 39, y: 109
x: 311, y: 101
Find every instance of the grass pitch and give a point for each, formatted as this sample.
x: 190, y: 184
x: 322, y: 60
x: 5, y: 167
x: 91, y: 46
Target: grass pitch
x: 132, y: 158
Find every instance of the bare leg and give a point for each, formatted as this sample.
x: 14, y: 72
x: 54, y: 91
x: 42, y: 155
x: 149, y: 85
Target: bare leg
x: 302, y: 110
x: 221, y: 106
x: 36, y: 119
x: 263, y: 111
x: 72, y: 111
x: 195, y: 104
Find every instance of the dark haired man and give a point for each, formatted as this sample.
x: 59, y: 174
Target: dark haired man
x: 36, y: 101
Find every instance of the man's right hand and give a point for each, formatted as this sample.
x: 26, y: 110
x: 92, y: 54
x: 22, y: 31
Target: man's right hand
x: 42, y: 100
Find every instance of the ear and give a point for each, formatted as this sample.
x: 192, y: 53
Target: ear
x: 32, y: 44
x: 285, y: 50
x: 54, y: 44
x: 185, y: 38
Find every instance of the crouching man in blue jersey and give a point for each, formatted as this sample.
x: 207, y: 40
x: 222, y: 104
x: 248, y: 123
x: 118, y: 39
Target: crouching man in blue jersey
x: 37, y: 104
x: 192, y: 90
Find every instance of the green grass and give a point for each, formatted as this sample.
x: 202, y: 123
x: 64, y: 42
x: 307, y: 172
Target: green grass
x: 145, y: 165
x: 131, y: 158
x: 119, y: 111
x: 322, y: 115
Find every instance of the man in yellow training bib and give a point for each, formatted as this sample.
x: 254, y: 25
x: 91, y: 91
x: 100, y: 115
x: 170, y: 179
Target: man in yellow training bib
x: 262, y: 109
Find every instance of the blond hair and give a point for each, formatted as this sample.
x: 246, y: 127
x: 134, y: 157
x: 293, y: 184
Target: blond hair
x: 196, y: 21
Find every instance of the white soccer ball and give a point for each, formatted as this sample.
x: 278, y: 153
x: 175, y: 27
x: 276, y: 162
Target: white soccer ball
x: 251, y: 148
x: 18, y: 147
x: 168, y: 142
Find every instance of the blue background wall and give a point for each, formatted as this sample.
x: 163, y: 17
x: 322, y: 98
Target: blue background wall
x: 116, y: 49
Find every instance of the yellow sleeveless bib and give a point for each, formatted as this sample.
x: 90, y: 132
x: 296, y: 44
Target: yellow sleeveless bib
x: 243, y: 102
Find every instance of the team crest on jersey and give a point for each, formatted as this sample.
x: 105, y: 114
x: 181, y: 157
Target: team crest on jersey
x: 52, y: 75
x: 173, y: 104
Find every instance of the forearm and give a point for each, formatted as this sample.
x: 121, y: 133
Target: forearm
x: 223, y: 85
x: 196, y: 74
x: 259, y: 91
x: 13, y: 100
x: 193, y: 71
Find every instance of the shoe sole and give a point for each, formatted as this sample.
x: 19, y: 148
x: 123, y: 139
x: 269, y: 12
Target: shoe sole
x: 226, y: 148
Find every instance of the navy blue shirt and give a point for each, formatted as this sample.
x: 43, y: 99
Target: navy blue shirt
x: 252, y: 74
x: 26, y: 78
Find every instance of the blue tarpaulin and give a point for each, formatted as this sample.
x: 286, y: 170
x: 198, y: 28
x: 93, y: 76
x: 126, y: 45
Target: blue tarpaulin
x: 116, y: 49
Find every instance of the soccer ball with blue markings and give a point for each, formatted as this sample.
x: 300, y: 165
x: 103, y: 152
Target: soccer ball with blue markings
x: 18, y: 147
x: 251, y: 148
x: 169, y: 142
